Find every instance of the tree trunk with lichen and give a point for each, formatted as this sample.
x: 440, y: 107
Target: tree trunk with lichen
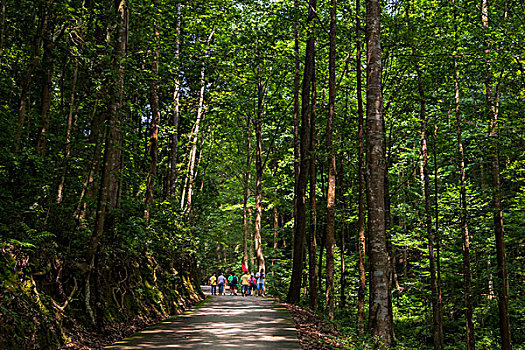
x: 313, y: 271
x: 330, y: 196
x: 259, y: 169
x: 246, y: 196
x: 153, y: 149
x: 174, y: 135
x: 111, y: 163
x: 379, y: 323
x: 361, y: 182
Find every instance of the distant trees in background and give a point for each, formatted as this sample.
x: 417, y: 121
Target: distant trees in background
x: 383, y: 187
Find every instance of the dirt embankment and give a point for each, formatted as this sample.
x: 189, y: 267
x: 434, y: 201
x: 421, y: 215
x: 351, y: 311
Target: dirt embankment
x: 42, y: 298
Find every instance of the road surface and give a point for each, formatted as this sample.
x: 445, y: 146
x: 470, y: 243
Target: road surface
x: 223, y: 322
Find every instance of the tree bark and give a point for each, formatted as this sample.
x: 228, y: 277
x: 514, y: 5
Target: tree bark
x: 2, y: 27
x: 48, y: 65
x: 111, y: 154
x: 296, y: 122
x: 121, y: 43
x: 275, y: 212
x: 330, y: 196
x: 361, y: 181
x: 344, y: 227
x: 438, y: 339
x: 187, y: 193
x: 26, y: 83
x: 322, y: 244
x: 153, y: 148
x: 294, y: 290
x: 313, y: 272
x: 437, y: 235
x: 392, y: 275
x: 251, y: 253
x: 259, y: 176
x: 98, y: 117
x: 503, y: 282
x: 467, y: 279
x: 60, y: 194
x: 89, y: 185
x: 436, y: 310
x: 246, y: 195
x: 174, y: 139
x: 342, y: 280
x: 378, y: 255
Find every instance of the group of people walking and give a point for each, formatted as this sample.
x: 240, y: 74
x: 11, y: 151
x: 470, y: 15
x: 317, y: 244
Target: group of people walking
x: 250, y: 284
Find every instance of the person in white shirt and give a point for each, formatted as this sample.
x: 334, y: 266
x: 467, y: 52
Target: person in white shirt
x: 221, y: 281
x: 260, y: 282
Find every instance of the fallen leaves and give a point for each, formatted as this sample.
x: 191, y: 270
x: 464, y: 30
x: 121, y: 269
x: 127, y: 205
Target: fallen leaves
x: 314, y: 332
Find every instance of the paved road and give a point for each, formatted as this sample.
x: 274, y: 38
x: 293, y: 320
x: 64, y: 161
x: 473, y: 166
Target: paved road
x: 224, y: 322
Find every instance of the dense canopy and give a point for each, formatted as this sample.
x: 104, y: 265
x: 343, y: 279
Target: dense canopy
x: 368, y: 156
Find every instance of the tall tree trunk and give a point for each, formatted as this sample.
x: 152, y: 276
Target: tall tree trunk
x: 313, y: 272
x: 342, y: 247
x: 378, y: 257
x: 200, y: 156
x: 361, y: 181
x: 438, y: 338
x: 503, y: 282
x: 467, y: 279
x: 342, y: 280
x: 26, y: 83
x: 330, y: 196
x: 275, y: 212
x: 251, y: 253
x: 174, y: 139
x: 259, y: 176
x: 275, y: 223
x: 392, y: 276
x: 153, y: 148
x: 322, y: 245
x: 96, y: 138
x: 436, y: 311
x: 187, y: 192
x: 246, y: 195
x: 48, y: 65
x: 98, y: 117
x: 69, y: 130
x: 294, y: 290
x: 111, y: 155
x: 296, y: 122
x: 438, y: 236
x: 121, y: 42
x: 2, y: 27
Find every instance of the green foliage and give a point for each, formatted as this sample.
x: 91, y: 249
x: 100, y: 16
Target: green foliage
x: 49, y: 194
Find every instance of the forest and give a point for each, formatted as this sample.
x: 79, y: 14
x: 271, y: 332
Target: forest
x: 368, y: 155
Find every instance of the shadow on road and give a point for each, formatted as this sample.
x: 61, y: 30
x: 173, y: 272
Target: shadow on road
x: 223, y: 322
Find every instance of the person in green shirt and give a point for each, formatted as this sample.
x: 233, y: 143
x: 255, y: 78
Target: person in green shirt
x: 234, y: 283
x: 230, y: 280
